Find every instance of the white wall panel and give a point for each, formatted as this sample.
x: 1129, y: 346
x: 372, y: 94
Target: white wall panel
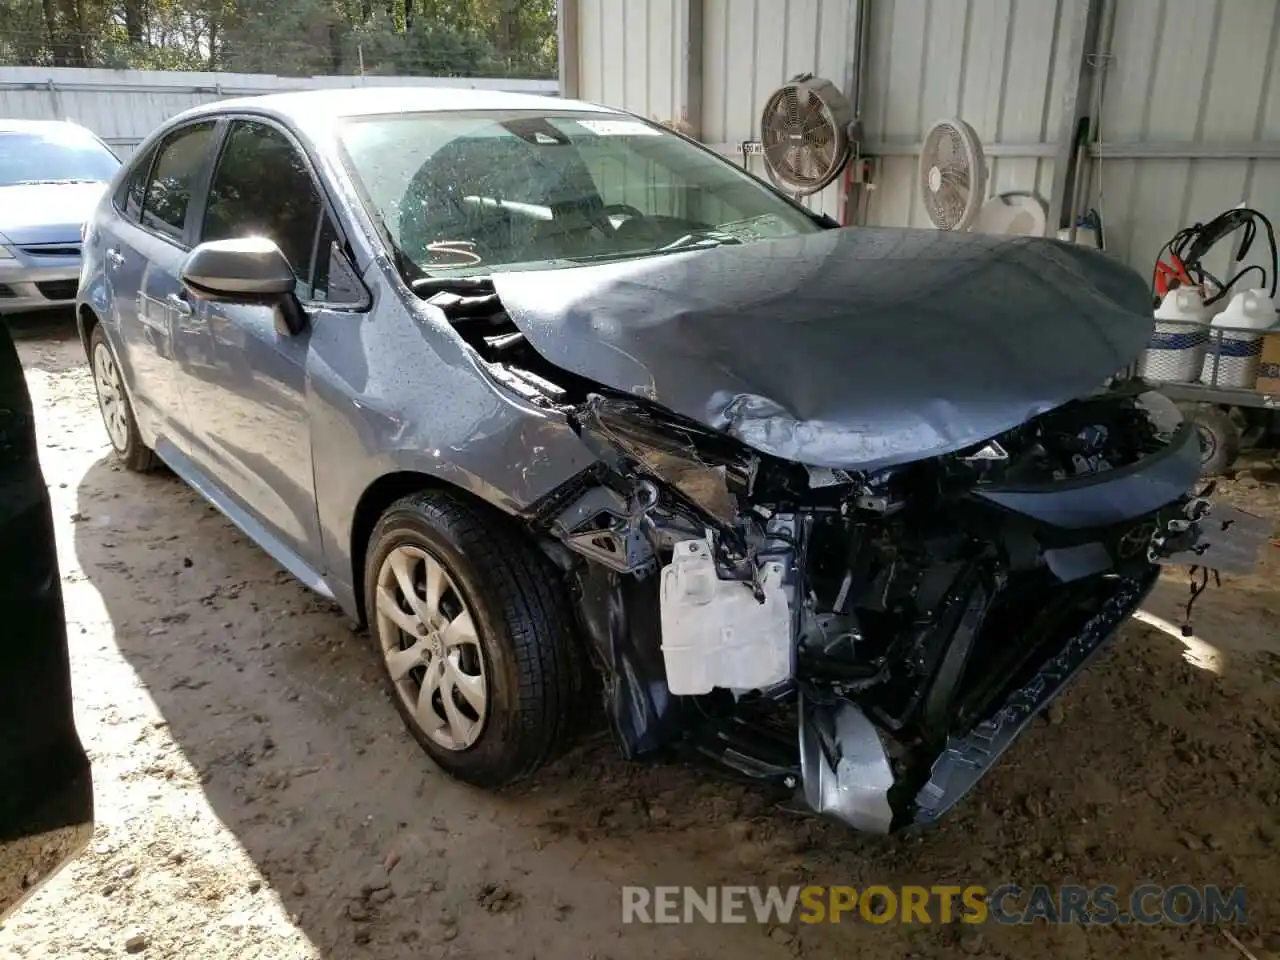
x: 999, y: 64
x: 1197, y: 72
x: 630, y: 55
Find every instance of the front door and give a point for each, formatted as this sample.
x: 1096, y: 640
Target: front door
x: 243, y: 382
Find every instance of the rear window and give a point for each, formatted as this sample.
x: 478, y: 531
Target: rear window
x: 129, y: 196
x: 56, y: 155
x: 179, y: 162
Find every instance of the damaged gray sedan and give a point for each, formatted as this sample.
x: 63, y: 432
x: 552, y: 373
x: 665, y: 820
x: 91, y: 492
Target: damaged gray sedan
x: 562, y: 405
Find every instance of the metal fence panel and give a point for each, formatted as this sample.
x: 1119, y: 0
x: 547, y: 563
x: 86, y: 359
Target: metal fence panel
x: 123, y: 106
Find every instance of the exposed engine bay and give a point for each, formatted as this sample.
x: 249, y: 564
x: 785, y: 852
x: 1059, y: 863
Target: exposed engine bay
x: 873, y: 638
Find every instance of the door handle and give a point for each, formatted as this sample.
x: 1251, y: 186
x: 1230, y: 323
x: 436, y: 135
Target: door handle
x: 116, y: 257
x: 178, y: 304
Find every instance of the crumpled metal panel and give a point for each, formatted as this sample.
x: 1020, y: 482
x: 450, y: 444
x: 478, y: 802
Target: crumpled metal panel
x: 1098, y: 500
x: 853, y: 348
x: 846, y: 772
x: 1226, y: 539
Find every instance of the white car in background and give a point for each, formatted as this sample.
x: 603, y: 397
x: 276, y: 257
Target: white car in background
x: 52, y: 173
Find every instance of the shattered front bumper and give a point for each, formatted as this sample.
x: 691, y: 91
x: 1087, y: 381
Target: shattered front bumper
x: 724, y: 653
x: 850, y: 777
x: 967, y: 757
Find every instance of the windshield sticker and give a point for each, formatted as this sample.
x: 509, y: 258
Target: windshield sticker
x: 619, y: 128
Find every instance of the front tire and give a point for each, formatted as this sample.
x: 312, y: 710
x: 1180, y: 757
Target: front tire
x: 113, y: 404
x: 474, y: 634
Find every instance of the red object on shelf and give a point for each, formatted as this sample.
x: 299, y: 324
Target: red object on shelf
x: 1166, y: 271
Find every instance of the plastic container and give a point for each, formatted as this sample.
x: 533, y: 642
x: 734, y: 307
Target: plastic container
x: 714, y: 632
x: 1086, y: 236
x: 1177, y: 348
x: 1232, y: 359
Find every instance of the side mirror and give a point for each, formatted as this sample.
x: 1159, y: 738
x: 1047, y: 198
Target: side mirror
x: 249, y: 270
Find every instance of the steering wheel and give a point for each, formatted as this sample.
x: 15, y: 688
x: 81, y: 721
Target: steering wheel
x: 637, y: 225
x: 613, y: 209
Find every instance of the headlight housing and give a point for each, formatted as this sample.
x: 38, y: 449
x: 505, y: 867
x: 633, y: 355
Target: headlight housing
x: 703, y: 466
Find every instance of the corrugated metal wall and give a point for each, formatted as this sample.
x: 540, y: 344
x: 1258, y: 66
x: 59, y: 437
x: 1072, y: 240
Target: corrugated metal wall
x: 1193, y: 72
x: 628, y: 54
x: 999, y: 64
x: 995, y: 60
x: 1180, y: 73
x: 630, y: 57
x: 750, y: 47
x: 123, y: 106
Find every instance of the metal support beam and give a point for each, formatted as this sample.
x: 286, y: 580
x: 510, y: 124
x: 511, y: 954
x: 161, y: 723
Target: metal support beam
x: 1083, y: 18
x: 568, y: 51
x: 513, y: 85
x: 1235, y: 150
x: 855, y: 66
x: 1011, y: 150
x: 1117, y: 150
x: 689, y: 69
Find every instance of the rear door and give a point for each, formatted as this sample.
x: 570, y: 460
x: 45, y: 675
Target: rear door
x: 46, y: 793
x: 143, y: 257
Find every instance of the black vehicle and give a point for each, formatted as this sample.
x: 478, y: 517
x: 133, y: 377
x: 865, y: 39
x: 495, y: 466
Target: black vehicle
x: 46, y: 790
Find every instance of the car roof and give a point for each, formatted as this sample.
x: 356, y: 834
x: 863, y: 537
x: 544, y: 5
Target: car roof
x: 14, y: 125
x: 306, y: 107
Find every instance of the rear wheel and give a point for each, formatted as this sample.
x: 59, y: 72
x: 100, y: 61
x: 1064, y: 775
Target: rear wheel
x: 474, y: 633
x: 113, y: 402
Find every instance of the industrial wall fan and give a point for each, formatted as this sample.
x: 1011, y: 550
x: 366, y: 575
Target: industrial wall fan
x: 952, y: 174
x: 804, y: 134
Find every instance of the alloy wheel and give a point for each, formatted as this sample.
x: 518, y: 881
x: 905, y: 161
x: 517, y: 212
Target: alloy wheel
x: 111, y: 399
x: 429, y: 642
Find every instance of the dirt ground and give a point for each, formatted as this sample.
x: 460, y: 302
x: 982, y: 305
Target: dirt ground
x: 258, y: 798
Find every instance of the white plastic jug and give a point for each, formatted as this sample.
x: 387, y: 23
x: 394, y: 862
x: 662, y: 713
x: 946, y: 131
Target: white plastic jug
x: 1177, y: 348
x: 1233, y: 358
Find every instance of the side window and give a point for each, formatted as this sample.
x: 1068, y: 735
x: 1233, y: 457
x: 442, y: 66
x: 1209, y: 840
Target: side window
x: 128, y: 198
x: 334, y: 279
x: 179, y: 160
x: 261, y: 187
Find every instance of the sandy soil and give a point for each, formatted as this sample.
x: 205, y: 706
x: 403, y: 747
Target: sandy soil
x: 257, y: 797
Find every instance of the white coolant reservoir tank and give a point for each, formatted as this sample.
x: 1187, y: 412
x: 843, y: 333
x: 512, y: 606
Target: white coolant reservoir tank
x: 716, y: 633
x: 1236, y: 342
x: 1177, y: 347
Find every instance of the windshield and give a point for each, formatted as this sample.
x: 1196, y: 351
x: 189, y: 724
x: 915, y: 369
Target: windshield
x: 54, y: 155
x: 465, y: 193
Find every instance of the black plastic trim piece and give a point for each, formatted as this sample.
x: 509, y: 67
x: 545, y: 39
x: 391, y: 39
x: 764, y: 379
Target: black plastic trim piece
x: 966, y: 759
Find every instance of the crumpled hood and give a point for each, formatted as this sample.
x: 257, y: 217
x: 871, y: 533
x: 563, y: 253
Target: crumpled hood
x: 856, y: 348
x: 46, y: 212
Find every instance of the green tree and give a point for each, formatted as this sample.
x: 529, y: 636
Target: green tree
x: 299, y: 37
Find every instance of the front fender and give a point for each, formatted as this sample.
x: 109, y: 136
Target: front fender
x: 392, y: 394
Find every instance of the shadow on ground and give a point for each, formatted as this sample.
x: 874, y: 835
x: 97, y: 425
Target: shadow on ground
x: 1151, y: 771
x: 46, y: 326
